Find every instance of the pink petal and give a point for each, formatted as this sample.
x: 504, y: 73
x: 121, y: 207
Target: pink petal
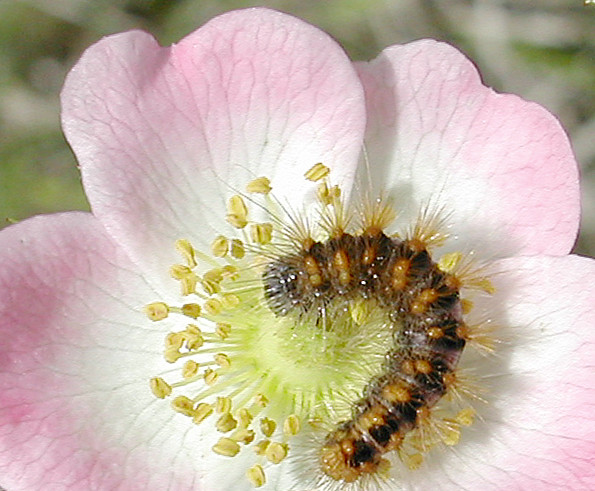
x: 165, y: 135
x: 538, y: 428
x: 501, y: 167
x: 76, y: 412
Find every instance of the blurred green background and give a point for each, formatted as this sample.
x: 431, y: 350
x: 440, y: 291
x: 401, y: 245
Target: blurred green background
x: 542, y: 50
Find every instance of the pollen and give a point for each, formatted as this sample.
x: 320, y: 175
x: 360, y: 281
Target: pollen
x: 290, y: 326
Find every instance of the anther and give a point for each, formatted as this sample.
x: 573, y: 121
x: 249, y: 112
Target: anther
x: 210, y: 377
x: 261, y: 233
x: 291, y: 425
x: 237, y: 249
x: 202, y: 412
x: 244, y: 418
x: 190, y: 369
x: 222, y: 330
x: 191, y: 310
x: 187, y: 251
x: 237, y: 213
x: 160, y: 388
x: 213, y: 306
x: 223, y: 404
x: 220, y: 246
x: 243, y: 436
x: 465, y: 417
x: 261, y: 400
x: 317, y: 172
x: 226, y: 423
x: 222, y: 360
x: 261, y: 447
x: 174, y: 340
x: 229, y: 301
x: 260, y: 185
x: 157, y: 311
x: 226, y: 447
x: 183, y: 405
x: 256, y: 476
x: 276, y: 452
x: 268, y: 427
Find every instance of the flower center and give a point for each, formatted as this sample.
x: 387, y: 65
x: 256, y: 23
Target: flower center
x: 293, y: 324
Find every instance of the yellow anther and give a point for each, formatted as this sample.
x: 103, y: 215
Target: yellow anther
x: 226, y: 423
x: 244, y: 418
x: 210, y: 287
x: 255, y: 476
x: 223, y: 405
x: 222, y: 330
x: 194, y: 341
x: 451, y: 435
x: 183, y: 405
x: 179, y: 271
x: 220, y: 246
x: 213, y: 306
x: 222, y: 360
x: 192, y: 330
x: 230, y: 272
x: 190, y: 369
x: 267, y: 426
x: 215, y: 275
x: 157, y: 311
x: 485, y: 285
x: 187, y: 251
x: 202, y: 412
x: 260, y: 185
x: 237, y: 249
x: 174, y: 340
x: 171, y: 355
x: 210, y: 376
x: 243, y: 436
x: 328, y: 196
x: 191, y: 310
x: 261, y: 233
x: 261, y: 447
x: 229, y: 301
x: 291, y: 425
x: 236, y: 221
x: 160, y: 388
x: 414, y: 461
x: 465, y: 417
x: 317, y: 172
x: 226, y: 447
x: 261, y: 400
x: 188, y: 284
x: 237, y: 213
x: 384, y: 467
x: 450, y: 261
x: 276, y: 452
x: 466, y: 305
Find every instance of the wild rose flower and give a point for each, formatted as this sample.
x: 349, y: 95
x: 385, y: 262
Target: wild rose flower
x: 167, y: 139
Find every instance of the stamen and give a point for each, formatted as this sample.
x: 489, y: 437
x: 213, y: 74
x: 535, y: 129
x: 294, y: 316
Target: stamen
x: 237, y: 212
x: 160, y: 387
x: 276, y: 452
x: 187, y: 251
x: 256, y: 476
x: 260, y: 185
x: 157, y: 311
x: 317, y: 172
x: 220, y: 246
x: 261, y: 233
x: 226, y: 447
x: 262, y: 373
